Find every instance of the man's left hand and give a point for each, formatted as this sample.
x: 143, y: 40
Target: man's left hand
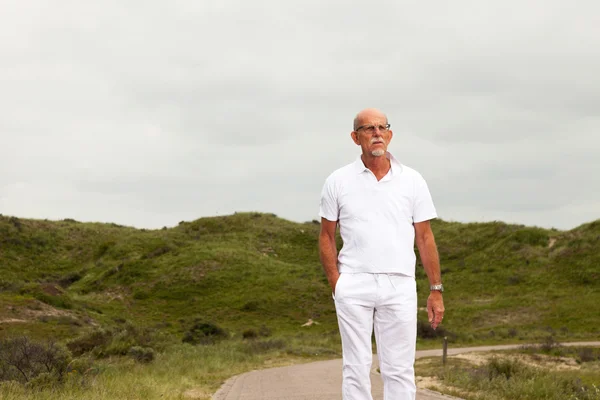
x: 435, y: 308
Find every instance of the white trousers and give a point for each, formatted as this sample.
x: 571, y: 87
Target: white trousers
x: 387, y: 303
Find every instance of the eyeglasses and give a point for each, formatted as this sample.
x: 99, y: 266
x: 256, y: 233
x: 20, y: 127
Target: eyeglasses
x: 371, y: 128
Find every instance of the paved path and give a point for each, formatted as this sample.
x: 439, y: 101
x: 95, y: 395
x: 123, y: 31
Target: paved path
x: 322, y: 380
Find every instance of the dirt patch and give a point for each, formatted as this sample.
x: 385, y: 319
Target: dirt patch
x: 427, y: 382
x: 476, y: 359
x: 51, y: 289
x: 38, y: 309
x: 532, y: 360
x: 547, y: 362
x: 12, y: 321
x: 434, y: 384
x: 33, y: 311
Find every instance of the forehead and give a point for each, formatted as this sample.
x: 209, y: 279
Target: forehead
x: 371, y: 117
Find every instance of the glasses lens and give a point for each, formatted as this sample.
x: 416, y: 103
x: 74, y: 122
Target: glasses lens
x: 371, y: 128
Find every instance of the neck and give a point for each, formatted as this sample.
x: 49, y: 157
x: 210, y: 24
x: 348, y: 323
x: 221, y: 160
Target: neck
x: 378, y: 165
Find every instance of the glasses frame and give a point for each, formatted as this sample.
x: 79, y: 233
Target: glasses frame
x: 371, y: 128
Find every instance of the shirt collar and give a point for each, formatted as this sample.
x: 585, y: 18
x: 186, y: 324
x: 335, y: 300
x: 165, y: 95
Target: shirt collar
x: 396, y: 166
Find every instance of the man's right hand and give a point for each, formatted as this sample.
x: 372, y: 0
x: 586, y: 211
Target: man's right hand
x: 333, y: 283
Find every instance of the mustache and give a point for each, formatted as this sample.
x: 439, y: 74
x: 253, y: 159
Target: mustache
x: 377, y: 140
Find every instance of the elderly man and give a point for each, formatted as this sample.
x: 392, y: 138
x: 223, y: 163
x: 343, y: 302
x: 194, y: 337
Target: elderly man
x: 382, y: 207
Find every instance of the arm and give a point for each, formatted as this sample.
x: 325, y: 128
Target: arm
x: 328, y: 251
x: 431, y: 263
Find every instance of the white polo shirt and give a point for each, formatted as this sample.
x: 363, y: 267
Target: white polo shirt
x: 376, y: 217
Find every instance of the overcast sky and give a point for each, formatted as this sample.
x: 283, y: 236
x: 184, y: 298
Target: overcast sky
x: 147, y: 113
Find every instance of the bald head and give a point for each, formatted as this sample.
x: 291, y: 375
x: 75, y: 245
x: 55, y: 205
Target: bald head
x: 366, y: 115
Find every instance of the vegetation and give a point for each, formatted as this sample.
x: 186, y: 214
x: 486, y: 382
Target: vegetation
x: 183, y: 371
x: 246, y: 284
x: 534, y: 372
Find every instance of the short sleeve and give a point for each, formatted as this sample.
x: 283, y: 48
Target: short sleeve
x: 424, y: 209
x: 328, y: 208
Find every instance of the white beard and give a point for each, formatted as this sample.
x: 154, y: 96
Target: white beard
x: 378, y: 153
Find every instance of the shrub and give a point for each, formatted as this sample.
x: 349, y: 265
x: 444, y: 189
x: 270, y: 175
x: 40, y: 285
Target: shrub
x: 586, y: 354
x: 204, y: 333
x: 549, y: 344
x: 42, y: 381
x: 505, y: 368
x: 23, y: 360
x: 16, y: 223
x: 250, y: 334
x: 141, y: 354
x: 70, y: 279
x: 116, y: 341
x: 90, y: 341
x: 425, y: 331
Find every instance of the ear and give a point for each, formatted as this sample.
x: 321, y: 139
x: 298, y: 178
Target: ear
x: 354, y: 136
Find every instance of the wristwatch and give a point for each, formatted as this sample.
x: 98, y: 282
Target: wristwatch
x: 439, y: 288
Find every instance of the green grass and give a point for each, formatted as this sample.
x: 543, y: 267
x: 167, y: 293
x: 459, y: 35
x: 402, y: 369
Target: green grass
x: 256, y: 272
x: 182, y: 371
x: 535, y: 375
x: 504, y: 282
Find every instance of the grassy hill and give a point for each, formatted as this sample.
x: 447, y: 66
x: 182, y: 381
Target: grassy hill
x: 256, y: 271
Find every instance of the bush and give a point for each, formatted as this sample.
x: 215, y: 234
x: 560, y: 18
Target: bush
x: 43, y: 381
x: 141, y: 354
x: 90, y: 341
x: 204, y: 333
x: 250, y: 334
x: 116, y: 341
x: 70, y: 279
x: 586, y: 354
x: 549, y: 344
x: 510, y: 379
x: 23, y: 360
x: 504, y: 368
x: 425, y: 331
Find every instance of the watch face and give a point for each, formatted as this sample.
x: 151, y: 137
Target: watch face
x: 436, y: 287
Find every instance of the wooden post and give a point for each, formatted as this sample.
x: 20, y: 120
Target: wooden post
x: 445, y: 354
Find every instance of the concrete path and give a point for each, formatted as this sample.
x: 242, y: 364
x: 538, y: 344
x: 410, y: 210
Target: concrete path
x: 322, y: 380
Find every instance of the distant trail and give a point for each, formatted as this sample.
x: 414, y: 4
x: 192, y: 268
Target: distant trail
x: 322, y: 380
